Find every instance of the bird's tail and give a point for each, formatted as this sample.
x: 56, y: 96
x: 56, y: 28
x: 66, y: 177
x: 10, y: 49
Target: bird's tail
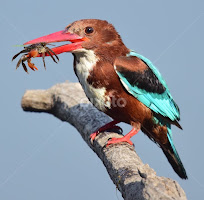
x: 173, y: 157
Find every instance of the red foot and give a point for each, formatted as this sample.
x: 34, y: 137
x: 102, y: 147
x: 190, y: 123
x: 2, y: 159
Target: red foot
x: 118, y: 140
x: 103, y: 128
x: 126, y: 138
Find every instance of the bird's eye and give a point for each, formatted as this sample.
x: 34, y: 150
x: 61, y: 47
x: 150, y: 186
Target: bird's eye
x: 89, y: 30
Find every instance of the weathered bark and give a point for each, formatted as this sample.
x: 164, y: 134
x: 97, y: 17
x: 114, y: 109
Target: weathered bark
x: 134, y: 179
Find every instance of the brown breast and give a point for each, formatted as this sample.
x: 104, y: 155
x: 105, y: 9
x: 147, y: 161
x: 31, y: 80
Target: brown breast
x: 124, y: 107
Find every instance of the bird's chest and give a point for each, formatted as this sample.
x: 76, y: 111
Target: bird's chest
x: 96, y: 95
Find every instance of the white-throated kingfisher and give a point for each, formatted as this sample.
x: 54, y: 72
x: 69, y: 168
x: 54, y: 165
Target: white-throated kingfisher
x: 121, y: 83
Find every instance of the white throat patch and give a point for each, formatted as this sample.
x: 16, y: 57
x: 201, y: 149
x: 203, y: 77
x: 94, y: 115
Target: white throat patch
x: 85, y: 62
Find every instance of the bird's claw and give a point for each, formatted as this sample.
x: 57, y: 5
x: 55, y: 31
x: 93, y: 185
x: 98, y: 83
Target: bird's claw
x: 114, y: 128
x: 93, y: 136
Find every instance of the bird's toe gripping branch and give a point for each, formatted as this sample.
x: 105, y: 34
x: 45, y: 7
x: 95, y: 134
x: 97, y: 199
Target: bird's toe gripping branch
x: 125, y: 138
x: 110, y: 125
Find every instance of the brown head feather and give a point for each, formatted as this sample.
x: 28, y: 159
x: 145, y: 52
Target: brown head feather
x: 104, y: 40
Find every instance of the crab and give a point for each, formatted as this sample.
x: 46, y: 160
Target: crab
x: 34, y: 50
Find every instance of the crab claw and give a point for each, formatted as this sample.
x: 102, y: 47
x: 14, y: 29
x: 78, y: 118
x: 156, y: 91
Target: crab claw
x: 31, y: 65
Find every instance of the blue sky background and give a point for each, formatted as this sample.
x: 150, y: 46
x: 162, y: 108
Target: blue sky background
x: 44, y: 158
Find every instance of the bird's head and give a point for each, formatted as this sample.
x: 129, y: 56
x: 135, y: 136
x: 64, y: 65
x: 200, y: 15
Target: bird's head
x: 88, y: 34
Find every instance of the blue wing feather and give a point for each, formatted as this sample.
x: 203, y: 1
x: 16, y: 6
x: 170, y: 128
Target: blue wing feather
x: 152, y: 67
x: 162, y: 104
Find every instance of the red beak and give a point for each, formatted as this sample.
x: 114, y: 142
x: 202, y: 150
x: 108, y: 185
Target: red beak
x: 61, y: 36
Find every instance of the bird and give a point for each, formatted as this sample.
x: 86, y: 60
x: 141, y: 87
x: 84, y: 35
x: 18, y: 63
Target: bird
x: 122, y: 83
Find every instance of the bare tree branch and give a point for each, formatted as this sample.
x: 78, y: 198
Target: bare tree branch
x: 134, y: 179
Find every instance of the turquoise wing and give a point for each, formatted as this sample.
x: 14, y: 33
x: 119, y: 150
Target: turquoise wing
x: 143, y: 80
x: 161, y: 103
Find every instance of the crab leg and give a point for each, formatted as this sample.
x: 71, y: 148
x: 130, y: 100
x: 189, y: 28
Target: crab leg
x: 23, y: 51
x: 24, y: 67
x: 22, y: 59
x: 52, y: 56
x: 53, y: 53
x: 43, y: 58
x: 18, y: 64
